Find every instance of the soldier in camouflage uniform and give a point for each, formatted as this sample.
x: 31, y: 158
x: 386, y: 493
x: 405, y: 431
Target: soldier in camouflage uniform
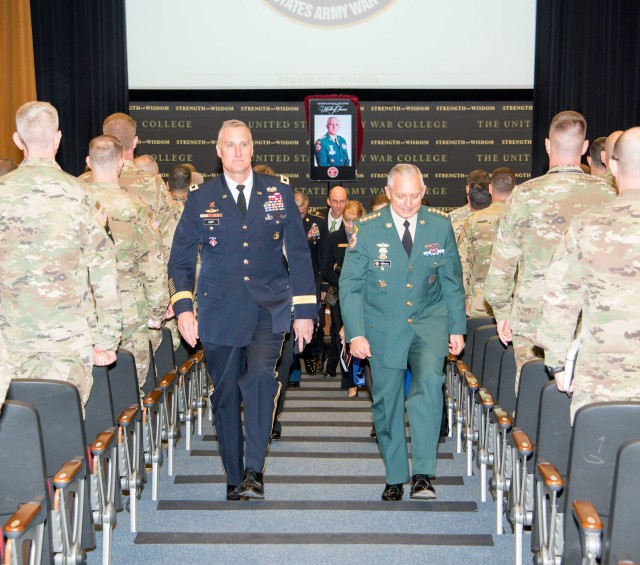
x: 5, y: 378
x: 535, y: 217
x: 596, y: 271
x: 142, y: 273
x: 606, y: 154
x: 147, y: 187
x: 476, y: 242
x: 57, y: 265
x: 460, y: 215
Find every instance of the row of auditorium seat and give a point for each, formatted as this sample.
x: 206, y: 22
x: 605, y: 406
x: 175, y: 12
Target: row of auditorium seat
x: 576, y: 487
x: 62, y: 473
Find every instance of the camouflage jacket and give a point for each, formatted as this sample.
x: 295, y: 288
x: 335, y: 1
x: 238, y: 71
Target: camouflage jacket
x: 535, y: 218
x: 458, y: 217
x: 53, y: 252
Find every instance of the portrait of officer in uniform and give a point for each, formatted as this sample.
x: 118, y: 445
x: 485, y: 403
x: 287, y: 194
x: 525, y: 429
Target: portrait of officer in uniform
x: 402, y: 303
x: 249, y: 288
x: 332, y: 150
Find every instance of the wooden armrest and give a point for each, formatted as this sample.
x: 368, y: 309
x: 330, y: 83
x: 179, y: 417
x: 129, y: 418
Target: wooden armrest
x: 522, y: 442
x: 550, y: 476
x: 451, y: 358
x: 587, y: 516
x: 151, y: 399
x: 21, y: 519
x: 67, y: 473
x: 128, y: 415
x: 186, y: 367
x: 167, y: 380
x: 502, y: 418
x: 461, y: 367
x: 471, y: 382
x: 198, y: 356
x: 103, y: 442
x: 486, y: 398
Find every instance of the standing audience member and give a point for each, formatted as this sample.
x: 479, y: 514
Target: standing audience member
x: 459, y: 216
x: 606, y: 154
x: 535, y: 217
x: 61, y: 309
x: 332, y: 259
x: 596, y: 271
x: 142, y: 272
x: 246, y: 293
x: 337, y: 200
x: 378, y: 202
x: 7, y: 165
x: 403, y: 303
x: 595, y: 156
x: 147, y: 163
x: 476, y: 242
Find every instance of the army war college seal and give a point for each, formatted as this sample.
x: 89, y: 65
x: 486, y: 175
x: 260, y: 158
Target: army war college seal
x: 329, y: 13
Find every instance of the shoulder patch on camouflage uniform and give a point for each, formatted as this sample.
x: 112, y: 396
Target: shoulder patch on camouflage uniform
x: 194, y: 187
x: 370, y: 216
x: 439, y: 212
x: 284, y: 180
x: 101, y: 214
x: 154, y: 224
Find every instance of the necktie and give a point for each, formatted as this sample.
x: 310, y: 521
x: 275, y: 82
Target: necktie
x: 242, y: 202
x: 332, y: 228
x: 407, y: 242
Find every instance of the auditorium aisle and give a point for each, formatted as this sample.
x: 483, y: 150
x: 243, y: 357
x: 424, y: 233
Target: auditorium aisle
x: 323, y: 486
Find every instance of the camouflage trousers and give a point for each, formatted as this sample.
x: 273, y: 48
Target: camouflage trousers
x: 155, y: 337
x: 172, y: 325
x: 524, y: 350
x: 5, y: 379
x: 73, y: 367
x: 137, y: 343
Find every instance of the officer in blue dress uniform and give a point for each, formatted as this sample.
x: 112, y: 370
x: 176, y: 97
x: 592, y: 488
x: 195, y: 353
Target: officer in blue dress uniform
x: 245, y: 223
x: 331, y: 149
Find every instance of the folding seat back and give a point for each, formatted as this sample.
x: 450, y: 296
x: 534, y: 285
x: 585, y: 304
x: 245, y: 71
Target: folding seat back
x: 480, y: 338
x: 493, y: 351
x: 598, y: 432
x: 98, y: 412
x: 622, y: 541
x: 63, y: 434
x: 23, y: 475
x: 533, y: 378
x: 123, y: 381
x: 152, y: 377
x: 472, y: 325
x: 181, y: 354
x: 506, y: 386
x: 164, y: 357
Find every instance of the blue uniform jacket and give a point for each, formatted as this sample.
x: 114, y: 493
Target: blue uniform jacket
x: 243, y: 263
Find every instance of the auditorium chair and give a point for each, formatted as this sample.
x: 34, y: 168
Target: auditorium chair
x: 188, y: 396
x: 152, y: 436
x: 202, y: 379
x: 100, y: 428
x: 507, y: 383
x: 472, y: 325
x: 450, y: 391
x: 480, y: 338
x: 618, y: 542
x: 67, y: 466
x: 164, y: 357
x: 123, y: 381
x: 169, y: 420
x: 24, y: 504
x: 152, y: 376
x: 599, y: 430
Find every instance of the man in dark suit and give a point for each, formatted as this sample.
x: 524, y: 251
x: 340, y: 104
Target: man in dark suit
x: 403, y: 303
x: 243, y: 221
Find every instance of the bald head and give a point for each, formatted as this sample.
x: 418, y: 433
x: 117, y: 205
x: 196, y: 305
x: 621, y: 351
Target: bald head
x: 608, y: 147
x: 625, y: 161
x: 566, y: 142
x: 147, y: 163
x: 337, y: 201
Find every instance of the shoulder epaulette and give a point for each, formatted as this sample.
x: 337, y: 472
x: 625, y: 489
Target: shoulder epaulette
x: 284, y: 180
x: 194, y: 187
x: 439, y: 212
x: 370, y: 216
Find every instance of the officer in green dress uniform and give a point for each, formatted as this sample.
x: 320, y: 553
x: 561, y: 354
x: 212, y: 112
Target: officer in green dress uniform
x: 403, y: 304
x: 331, y: 149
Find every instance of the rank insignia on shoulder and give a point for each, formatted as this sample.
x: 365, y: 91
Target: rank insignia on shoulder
x: 436, y: 211
x: 271, y: 189
x: 369, y: 217
x: 284, y: 180
x: 194, y: 187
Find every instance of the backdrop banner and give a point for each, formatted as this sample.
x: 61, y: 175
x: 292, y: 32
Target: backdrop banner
x: 446, y: 140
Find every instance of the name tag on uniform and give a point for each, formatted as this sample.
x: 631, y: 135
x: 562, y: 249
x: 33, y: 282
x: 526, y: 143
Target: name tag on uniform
x: 343, y: 245
x: 380, y: 263
x: 213, y: 222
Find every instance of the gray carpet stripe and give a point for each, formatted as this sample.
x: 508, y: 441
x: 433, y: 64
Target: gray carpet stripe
x: 317, y: 439
x: 333, y: 409
x: 322, y: 505
x: 187, y: 538
x: 311, y: 480
x: 325, y: 398
x: 311, y: 455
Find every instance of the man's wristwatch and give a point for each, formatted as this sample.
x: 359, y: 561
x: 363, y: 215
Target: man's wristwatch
x: 553, y: 371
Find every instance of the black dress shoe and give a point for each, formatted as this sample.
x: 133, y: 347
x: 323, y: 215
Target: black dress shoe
x: 296, y: 384
x: 329, y: 373
x: 372, y: 433
x: 289, y: 384
x: 392, y: 492
x: 275, y: 436
x: 421, y: 488
x: 310, y: 365
x: 252, y: 485
x: 233, y: 493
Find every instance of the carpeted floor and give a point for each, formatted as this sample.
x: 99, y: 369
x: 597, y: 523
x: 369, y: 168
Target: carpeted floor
x: 322, y: 484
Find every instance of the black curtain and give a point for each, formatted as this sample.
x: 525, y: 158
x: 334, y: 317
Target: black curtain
x: 587, y: 60
x: 81, y: 68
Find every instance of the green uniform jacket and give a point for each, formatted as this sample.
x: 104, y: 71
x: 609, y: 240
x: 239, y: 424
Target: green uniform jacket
x: 388, y: 297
